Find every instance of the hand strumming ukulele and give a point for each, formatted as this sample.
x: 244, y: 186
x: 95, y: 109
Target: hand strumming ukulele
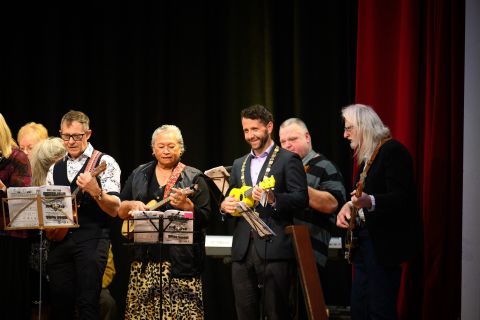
x: 57, y: 234
x: 128, y: 224
x: 245, y: 192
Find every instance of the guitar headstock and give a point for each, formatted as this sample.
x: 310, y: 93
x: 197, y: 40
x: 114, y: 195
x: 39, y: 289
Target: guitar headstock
x: 267, y: 183
x: 99, y: 169
x: 190, y: 190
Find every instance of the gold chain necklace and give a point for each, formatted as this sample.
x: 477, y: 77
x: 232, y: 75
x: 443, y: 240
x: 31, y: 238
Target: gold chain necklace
x: 267, y: 171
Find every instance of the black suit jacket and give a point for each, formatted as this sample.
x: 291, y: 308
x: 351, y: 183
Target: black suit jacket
x: 394, y: 226
x: 291, y: 195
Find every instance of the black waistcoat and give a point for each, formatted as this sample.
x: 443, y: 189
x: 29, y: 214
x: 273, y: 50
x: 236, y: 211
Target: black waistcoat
x: 94, y: 223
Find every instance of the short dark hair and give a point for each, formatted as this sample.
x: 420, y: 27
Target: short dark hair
x: 257, y: 112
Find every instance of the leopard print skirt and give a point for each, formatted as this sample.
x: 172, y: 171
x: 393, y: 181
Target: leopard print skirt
x: 181, y: 298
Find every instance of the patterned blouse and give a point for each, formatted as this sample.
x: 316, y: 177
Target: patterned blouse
x: 15, y: 171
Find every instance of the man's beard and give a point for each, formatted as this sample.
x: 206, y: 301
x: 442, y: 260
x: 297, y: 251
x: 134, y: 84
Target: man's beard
x: 263, y: 142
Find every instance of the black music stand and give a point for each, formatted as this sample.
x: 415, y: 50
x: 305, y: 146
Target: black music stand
x: 161, y: 228
x: 31, y: 208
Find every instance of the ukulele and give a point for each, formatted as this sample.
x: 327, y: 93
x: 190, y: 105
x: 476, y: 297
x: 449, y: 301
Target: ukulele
x: 244, y: 193
x: 128, y: 224
x: 57, y: 234
x: 351, y: 239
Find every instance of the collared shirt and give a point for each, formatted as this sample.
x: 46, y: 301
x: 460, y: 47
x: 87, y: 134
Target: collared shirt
x: 257, y: 162
x: 110, y: 178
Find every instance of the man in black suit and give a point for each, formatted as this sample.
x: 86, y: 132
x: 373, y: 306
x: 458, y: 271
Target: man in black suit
x: 388, y: 225
x: 263, y: 268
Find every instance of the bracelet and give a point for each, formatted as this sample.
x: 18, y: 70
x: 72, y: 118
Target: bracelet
x: 99, y: 196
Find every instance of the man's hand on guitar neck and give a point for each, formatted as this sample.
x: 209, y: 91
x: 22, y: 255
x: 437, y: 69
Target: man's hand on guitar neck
x: 364, y: 201
x: 259, y: 193
x: 108, y: 203
x: 89, y: 184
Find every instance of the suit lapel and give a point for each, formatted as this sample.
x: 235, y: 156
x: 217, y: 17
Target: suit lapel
x: 248, y: 177
x: 265, y: 164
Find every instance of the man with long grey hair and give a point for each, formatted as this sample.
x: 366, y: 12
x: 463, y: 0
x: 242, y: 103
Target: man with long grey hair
x: 382, y: 215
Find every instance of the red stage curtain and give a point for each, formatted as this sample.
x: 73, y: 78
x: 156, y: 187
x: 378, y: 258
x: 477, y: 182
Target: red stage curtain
x: 410, y: 58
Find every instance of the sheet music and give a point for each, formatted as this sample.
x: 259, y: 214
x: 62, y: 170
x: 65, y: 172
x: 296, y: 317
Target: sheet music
x: 254, y: 221
x: 56, y: 206
x: 176, y: 226
x: 219, y: 175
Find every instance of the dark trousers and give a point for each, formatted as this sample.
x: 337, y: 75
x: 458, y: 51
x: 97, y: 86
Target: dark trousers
x: 75, y: 273
x: 262, y: 285
x: 15, y: 300
x: 374, y: 287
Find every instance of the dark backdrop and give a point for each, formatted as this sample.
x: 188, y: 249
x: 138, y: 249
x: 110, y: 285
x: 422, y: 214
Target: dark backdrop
x: 134, y: 67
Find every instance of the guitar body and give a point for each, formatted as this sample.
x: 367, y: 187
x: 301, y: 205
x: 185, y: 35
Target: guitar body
x: 241, y: 195
x: 244, y: 193
x: 56, y: 234
x: 351, y: 238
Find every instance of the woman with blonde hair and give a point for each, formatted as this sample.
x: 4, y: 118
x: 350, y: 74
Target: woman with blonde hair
x: 29, y: 135
x: 15, y: 171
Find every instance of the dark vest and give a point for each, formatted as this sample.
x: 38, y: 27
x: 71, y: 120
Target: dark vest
x: 94, y: 223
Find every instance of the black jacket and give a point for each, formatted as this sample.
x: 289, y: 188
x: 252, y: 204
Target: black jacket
x: 187, y: 260
x: 394, y: 226
x: 291, y: 196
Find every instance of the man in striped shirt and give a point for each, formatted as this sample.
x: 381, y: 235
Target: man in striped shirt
x: 326, y: 191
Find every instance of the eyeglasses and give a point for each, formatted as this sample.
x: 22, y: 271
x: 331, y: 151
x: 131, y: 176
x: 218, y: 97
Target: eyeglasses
x: 348, y: 129
x: 75, y: 137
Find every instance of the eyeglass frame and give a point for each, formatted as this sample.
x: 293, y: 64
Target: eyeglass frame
x: 75, y: 137
x: 348, y: 128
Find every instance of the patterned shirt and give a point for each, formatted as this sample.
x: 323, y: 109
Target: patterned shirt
x: 110, y: 178
x: 322, y: 175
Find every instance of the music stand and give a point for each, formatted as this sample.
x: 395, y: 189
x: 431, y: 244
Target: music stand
x: 161, y: 228
x: 32, y: 208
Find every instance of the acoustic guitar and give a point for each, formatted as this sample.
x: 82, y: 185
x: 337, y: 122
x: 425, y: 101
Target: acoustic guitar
x: 128, y: 224
x: 351, y: 239
x: 245, y: 192
x: 58, y: 234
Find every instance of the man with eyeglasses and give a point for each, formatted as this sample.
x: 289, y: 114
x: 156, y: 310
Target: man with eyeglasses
x: 383, y: 213
x: 77, y: 259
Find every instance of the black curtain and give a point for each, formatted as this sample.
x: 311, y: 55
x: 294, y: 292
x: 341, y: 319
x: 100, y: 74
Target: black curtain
x: 136, y: 66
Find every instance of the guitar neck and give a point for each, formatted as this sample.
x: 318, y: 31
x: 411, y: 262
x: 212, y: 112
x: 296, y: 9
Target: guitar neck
x: 248, y: 193
x: 159, y: 204
x: 74, y: 193
x: 354, y: 214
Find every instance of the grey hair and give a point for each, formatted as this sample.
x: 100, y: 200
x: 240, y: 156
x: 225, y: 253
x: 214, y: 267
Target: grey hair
x: 296, y: 121
x: 44, y: 154
x: 74, y: 115
x: 169, y: 128
x: 369, y: 127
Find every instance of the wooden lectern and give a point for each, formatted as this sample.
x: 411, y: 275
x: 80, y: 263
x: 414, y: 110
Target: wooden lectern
x: 307, y: 270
